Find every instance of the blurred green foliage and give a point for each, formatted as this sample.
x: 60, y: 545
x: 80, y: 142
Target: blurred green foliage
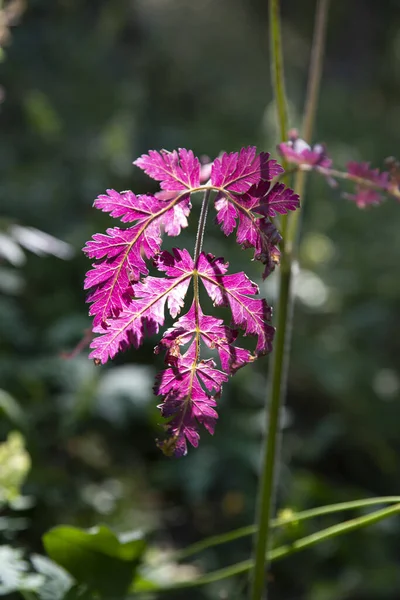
x: 87, y: 87
x: 14, y: 466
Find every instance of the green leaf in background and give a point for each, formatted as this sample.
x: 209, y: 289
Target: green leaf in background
x: 96, y: 557
x: 15, y: 463
x: 12, y: 410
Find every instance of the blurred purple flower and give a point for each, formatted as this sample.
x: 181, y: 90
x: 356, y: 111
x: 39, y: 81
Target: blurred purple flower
x: 364, y: 194
x: 297, y: 151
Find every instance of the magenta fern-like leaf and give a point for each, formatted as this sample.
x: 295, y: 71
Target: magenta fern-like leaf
x: 215, y: 334
x: 121, y: 253
x: 189, y: 388
x: 273, y: 200
x: 235, y: 291
x: 145, y: 312
x: 176, y: 171
x: 128, y: 304
x: 239, y: 171
x: 246, y: 194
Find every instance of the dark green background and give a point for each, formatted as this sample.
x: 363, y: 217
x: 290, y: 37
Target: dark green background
x: 89, y: 86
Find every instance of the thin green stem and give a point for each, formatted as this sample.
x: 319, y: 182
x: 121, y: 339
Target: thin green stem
x: 334, y: 531
x: 281, y: 551
x: 310, y: 109
x: 278, y: 370
x: 278, y: 365
x: 293, y: 517
x: 277, y: 72
x: 278, y: 83
x: 316, y: 62
x: 280, y: 358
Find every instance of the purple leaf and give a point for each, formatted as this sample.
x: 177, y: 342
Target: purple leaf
x: 270, y: 239
x: 236, y: 291
x: 176, y: 170
x: 227, y: 213
x: 187, y: 389
x: 144, y: 313
x: 253, y: 231
x: 125, y: 205
x: 190, y: 384
x: 121, y: 253
x: 237, y: 172
x: 175, y: 264
x: 127, y: 306
x: 272, y: 201
x: 214, y: 333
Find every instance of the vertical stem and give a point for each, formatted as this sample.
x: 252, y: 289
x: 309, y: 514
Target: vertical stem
x: 315, y: 70
x: 276, y: 392
x: 278, y: 82
x: 277, y: 73
x: 310, y: 107
x: 201, y: 226
x: 279, y: 362
x: 278, y: 365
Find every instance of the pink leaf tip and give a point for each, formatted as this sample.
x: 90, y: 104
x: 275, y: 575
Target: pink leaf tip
x: 178, y: 170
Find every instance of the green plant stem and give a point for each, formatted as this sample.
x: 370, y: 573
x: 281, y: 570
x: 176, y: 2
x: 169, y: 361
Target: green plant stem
x: 316, y: 62
x: 280, y: 357
x: 278, y: 83
x: 295, y: 517
x: 310, y: 108
x: 280, y: 552
x: 277, y: 73
x: 277, y: 377
x: 277, y: 65
x: 278, y: 368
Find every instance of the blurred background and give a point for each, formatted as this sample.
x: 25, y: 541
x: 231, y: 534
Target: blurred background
x: 86, y: 87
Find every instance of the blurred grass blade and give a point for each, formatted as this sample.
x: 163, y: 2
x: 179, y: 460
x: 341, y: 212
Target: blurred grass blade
x: 281, y: 551
x: 334, y: 531
x: 291, y: 517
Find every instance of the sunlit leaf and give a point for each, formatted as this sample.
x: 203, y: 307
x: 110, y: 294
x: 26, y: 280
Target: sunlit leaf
x: 96, y: 557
